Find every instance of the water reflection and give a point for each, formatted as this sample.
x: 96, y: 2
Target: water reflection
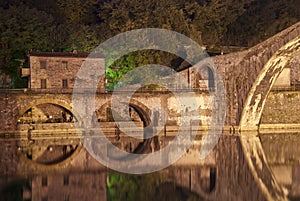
x: 147, y: 187
x: 75, y: 186
x: 283, y: 154
x: 224, y: 175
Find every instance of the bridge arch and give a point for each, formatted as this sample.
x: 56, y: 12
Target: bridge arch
x: 62, y: 103
x: 143, y: 119
x: 251, y: 117
x: 257, y: 97
x: 142, y: 110
x: 62, y: 152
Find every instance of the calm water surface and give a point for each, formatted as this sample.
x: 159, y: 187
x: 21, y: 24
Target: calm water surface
x: 225, y: 176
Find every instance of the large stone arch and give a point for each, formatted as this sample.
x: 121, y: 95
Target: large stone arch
x: 251, y: 116
x: 240, y: 70
x: 255, y: 102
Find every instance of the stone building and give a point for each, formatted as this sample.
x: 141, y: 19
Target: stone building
x: 58, y: 70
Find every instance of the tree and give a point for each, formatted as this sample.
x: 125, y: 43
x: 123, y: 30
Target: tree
x: 146, y: 187
x: 116, y: 70
x: 261, y: 20
x: 77, y: 11
x: 22, y: 29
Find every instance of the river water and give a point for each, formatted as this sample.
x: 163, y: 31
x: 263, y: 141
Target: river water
x: 226, y: 176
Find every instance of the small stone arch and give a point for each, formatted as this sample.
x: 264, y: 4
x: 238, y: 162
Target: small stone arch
x: 34, y: 166
x: 208, y: 76
x: 61, y: 103
x: 144, y: 122
x: 141, y: 109
x: 61, y: 153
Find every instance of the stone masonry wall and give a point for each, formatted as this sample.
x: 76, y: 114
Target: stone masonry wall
x: 58, y: 69
x: 282, y: 108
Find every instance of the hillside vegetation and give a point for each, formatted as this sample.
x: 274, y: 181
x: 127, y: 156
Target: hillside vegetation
x: 64, y: 25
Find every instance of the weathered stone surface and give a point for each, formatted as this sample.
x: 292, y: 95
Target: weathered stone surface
x: 282, y: 107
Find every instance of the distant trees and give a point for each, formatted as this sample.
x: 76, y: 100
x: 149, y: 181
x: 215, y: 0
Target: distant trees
x: 21, y: 29
x: 261, y: 20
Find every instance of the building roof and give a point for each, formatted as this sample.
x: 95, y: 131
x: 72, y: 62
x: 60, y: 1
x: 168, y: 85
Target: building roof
x: 67, y: 54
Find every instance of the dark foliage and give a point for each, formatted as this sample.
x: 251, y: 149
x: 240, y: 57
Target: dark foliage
x: 62, y: 25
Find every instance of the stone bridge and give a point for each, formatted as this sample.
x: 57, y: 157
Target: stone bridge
x: 248, y: 77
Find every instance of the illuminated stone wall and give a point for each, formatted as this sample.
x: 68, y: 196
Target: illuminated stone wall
x: 54, y: 67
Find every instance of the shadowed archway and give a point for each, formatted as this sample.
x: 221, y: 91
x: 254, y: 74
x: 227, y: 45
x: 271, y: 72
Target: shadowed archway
x: 115, y: 129
x: 45, y: 126
x: 60, y: 103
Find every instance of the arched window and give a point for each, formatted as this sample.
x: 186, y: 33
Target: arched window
x: 210, y: 79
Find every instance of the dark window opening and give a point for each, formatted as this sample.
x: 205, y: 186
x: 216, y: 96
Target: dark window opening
x: 64, y: 65
x: 43, y: 64
x: 211, y: 80
x: 43, y: 84
x: 66, y: 180
x: 65, y: 83
x: 212, y: 177
x: 44, y: 181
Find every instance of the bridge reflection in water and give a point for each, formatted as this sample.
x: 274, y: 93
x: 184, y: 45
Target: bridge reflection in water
x: 63, y: 170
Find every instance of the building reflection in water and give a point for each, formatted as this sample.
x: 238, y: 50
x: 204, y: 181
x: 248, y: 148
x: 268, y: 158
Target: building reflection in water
x: 76, y: 186
x: 224, y: 175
